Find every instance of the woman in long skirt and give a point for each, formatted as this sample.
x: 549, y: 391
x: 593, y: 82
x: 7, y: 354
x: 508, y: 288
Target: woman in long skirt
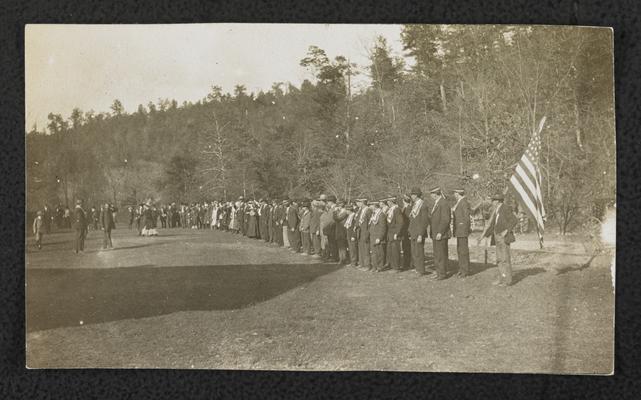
x: 252, y: 224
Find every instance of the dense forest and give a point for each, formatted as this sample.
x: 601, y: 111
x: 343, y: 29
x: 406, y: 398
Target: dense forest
x: 460, y: 115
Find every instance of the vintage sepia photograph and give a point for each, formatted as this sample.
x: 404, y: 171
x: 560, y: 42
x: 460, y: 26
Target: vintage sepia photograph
x: 320, y: 197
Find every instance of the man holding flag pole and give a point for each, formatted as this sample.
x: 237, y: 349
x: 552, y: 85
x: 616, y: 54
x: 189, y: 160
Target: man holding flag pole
x: 526, y: 184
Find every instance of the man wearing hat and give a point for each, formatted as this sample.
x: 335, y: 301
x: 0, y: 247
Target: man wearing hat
x: 106, y: 224
x: 351, y: 228
x: 378, y: 236
x: 419, y: 219
x: 273, y: 227
x: 314, y: 227
x: 440, y: 232
x: 406, y: 247
x: 285, y: 212
x: 502, y: 222
x: 462, y: 228
x: 80, y: 227
x: 394, y: 227
x: 362, y: 224
x: 328, y: 229
x: 264, y: 215
x: 304, y: 226
x: 292, y: 227
x: 340, y: 217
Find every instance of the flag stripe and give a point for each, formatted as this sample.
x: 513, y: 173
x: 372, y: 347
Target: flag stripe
x: 526, y: 199
x: 526, y: 182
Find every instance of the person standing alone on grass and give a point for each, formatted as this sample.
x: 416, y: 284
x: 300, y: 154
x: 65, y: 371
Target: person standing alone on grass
x: 80, y: 227
x: 461, y: 217
x: 38, y: 229
x: 502, y: 222
x: 107, y: 224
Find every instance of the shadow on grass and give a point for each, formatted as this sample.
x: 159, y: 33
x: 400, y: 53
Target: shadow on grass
x: 521, y: 274
x: 63, y: 297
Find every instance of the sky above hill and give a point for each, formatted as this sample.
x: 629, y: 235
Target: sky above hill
x: 88, y: 66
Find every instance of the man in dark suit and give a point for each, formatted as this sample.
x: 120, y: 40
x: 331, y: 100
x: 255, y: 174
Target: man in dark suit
x: 304, y: 227
x: 80, y: 227
x: 461, y: 223
x: 292, y: 227
x: 406, y: 247
x: 378, y: 236
x: 502, y: 222
x: 272, y: 222
x: 394, y: 228
x: 419, y: 219
x: 351, y: 226
x: 314, y: 228
x: 107, y: 224
x: 279, y: 219
x: 362, y: 223
x: 440, y: 232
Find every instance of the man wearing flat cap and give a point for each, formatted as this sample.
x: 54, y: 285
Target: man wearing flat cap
x: 502, y: 222
x: 462, y: 229
x: 419, y: 220
x: 394, y: 227
x: 440, y: 232
x: 362, y: 224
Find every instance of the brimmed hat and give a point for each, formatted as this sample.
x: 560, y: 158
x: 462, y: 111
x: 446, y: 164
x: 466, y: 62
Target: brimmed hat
x: 39, y: 212
x: 459, y: 191
x: 322, y: 197
x: 361, y: 200
x: 331, y: 198
x: 416, y: 191
x: 79, y: 201
x: 436, y: 190
x: 306, y: 203
x: 498, y: 197
x: 390, y: 198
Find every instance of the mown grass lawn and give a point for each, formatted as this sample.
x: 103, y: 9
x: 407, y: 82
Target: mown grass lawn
x: 207, y: 299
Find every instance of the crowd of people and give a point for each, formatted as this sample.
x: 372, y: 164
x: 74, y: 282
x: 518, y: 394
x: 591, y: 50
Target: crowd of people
x: 372, y: 235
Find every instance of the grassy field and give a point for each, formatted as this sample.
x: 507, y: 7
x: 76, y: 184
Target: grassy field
x: 207, y: 299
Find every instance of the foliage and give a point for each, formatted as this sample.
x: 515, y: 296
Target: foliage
x: 461, y: 115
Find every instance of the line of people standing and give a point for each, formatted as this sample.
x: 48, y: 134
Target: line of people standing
x: 388, y: 233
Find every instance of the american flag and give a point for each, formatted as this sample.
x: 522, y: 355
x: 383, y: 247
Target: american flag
x: 526, y: 182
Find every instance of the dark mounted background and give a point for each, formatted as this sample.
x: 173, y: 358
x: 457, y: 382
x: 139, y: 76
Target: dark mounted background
x: 16, y: 382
